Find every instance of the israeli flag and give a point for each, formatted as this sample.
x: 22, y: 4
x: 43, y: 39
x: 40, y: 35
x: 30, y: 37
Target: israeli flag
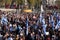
x: 27, y: 26
x: 4, y: 20
x: 44, y: 28
x: 43, y: 21
x: 58, y: 25
x: 41, y: 17
x: 52, y: 22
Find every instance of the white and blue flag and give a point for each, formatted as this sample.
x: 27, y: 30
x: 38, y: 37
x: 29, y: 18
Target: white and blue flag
x: 58, y: 25
x: 27, y: 26
x: 4, y: 20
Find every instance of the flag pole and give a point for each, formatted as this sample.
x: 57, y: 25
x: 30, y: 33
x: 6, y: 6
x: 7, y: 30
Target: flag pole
x: 27, y: 25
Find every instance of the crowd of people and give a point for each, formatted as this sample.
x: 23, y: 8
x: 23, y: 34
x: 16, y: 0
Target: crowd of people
x: 29, y: 26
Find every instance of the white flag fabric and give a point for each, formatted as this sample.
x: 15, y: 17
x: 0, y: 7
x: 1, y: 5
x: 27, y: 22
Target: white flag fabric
x: 10, y: 38
x: 42, y: 10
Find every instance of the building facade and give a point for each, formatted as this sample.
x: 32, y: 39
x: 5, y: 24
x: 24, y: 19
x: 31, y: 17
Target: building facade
x: 51, y: 2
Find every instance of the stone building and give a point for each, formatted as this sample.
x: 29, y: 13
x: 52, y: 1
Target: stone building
x: 51, y: 2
